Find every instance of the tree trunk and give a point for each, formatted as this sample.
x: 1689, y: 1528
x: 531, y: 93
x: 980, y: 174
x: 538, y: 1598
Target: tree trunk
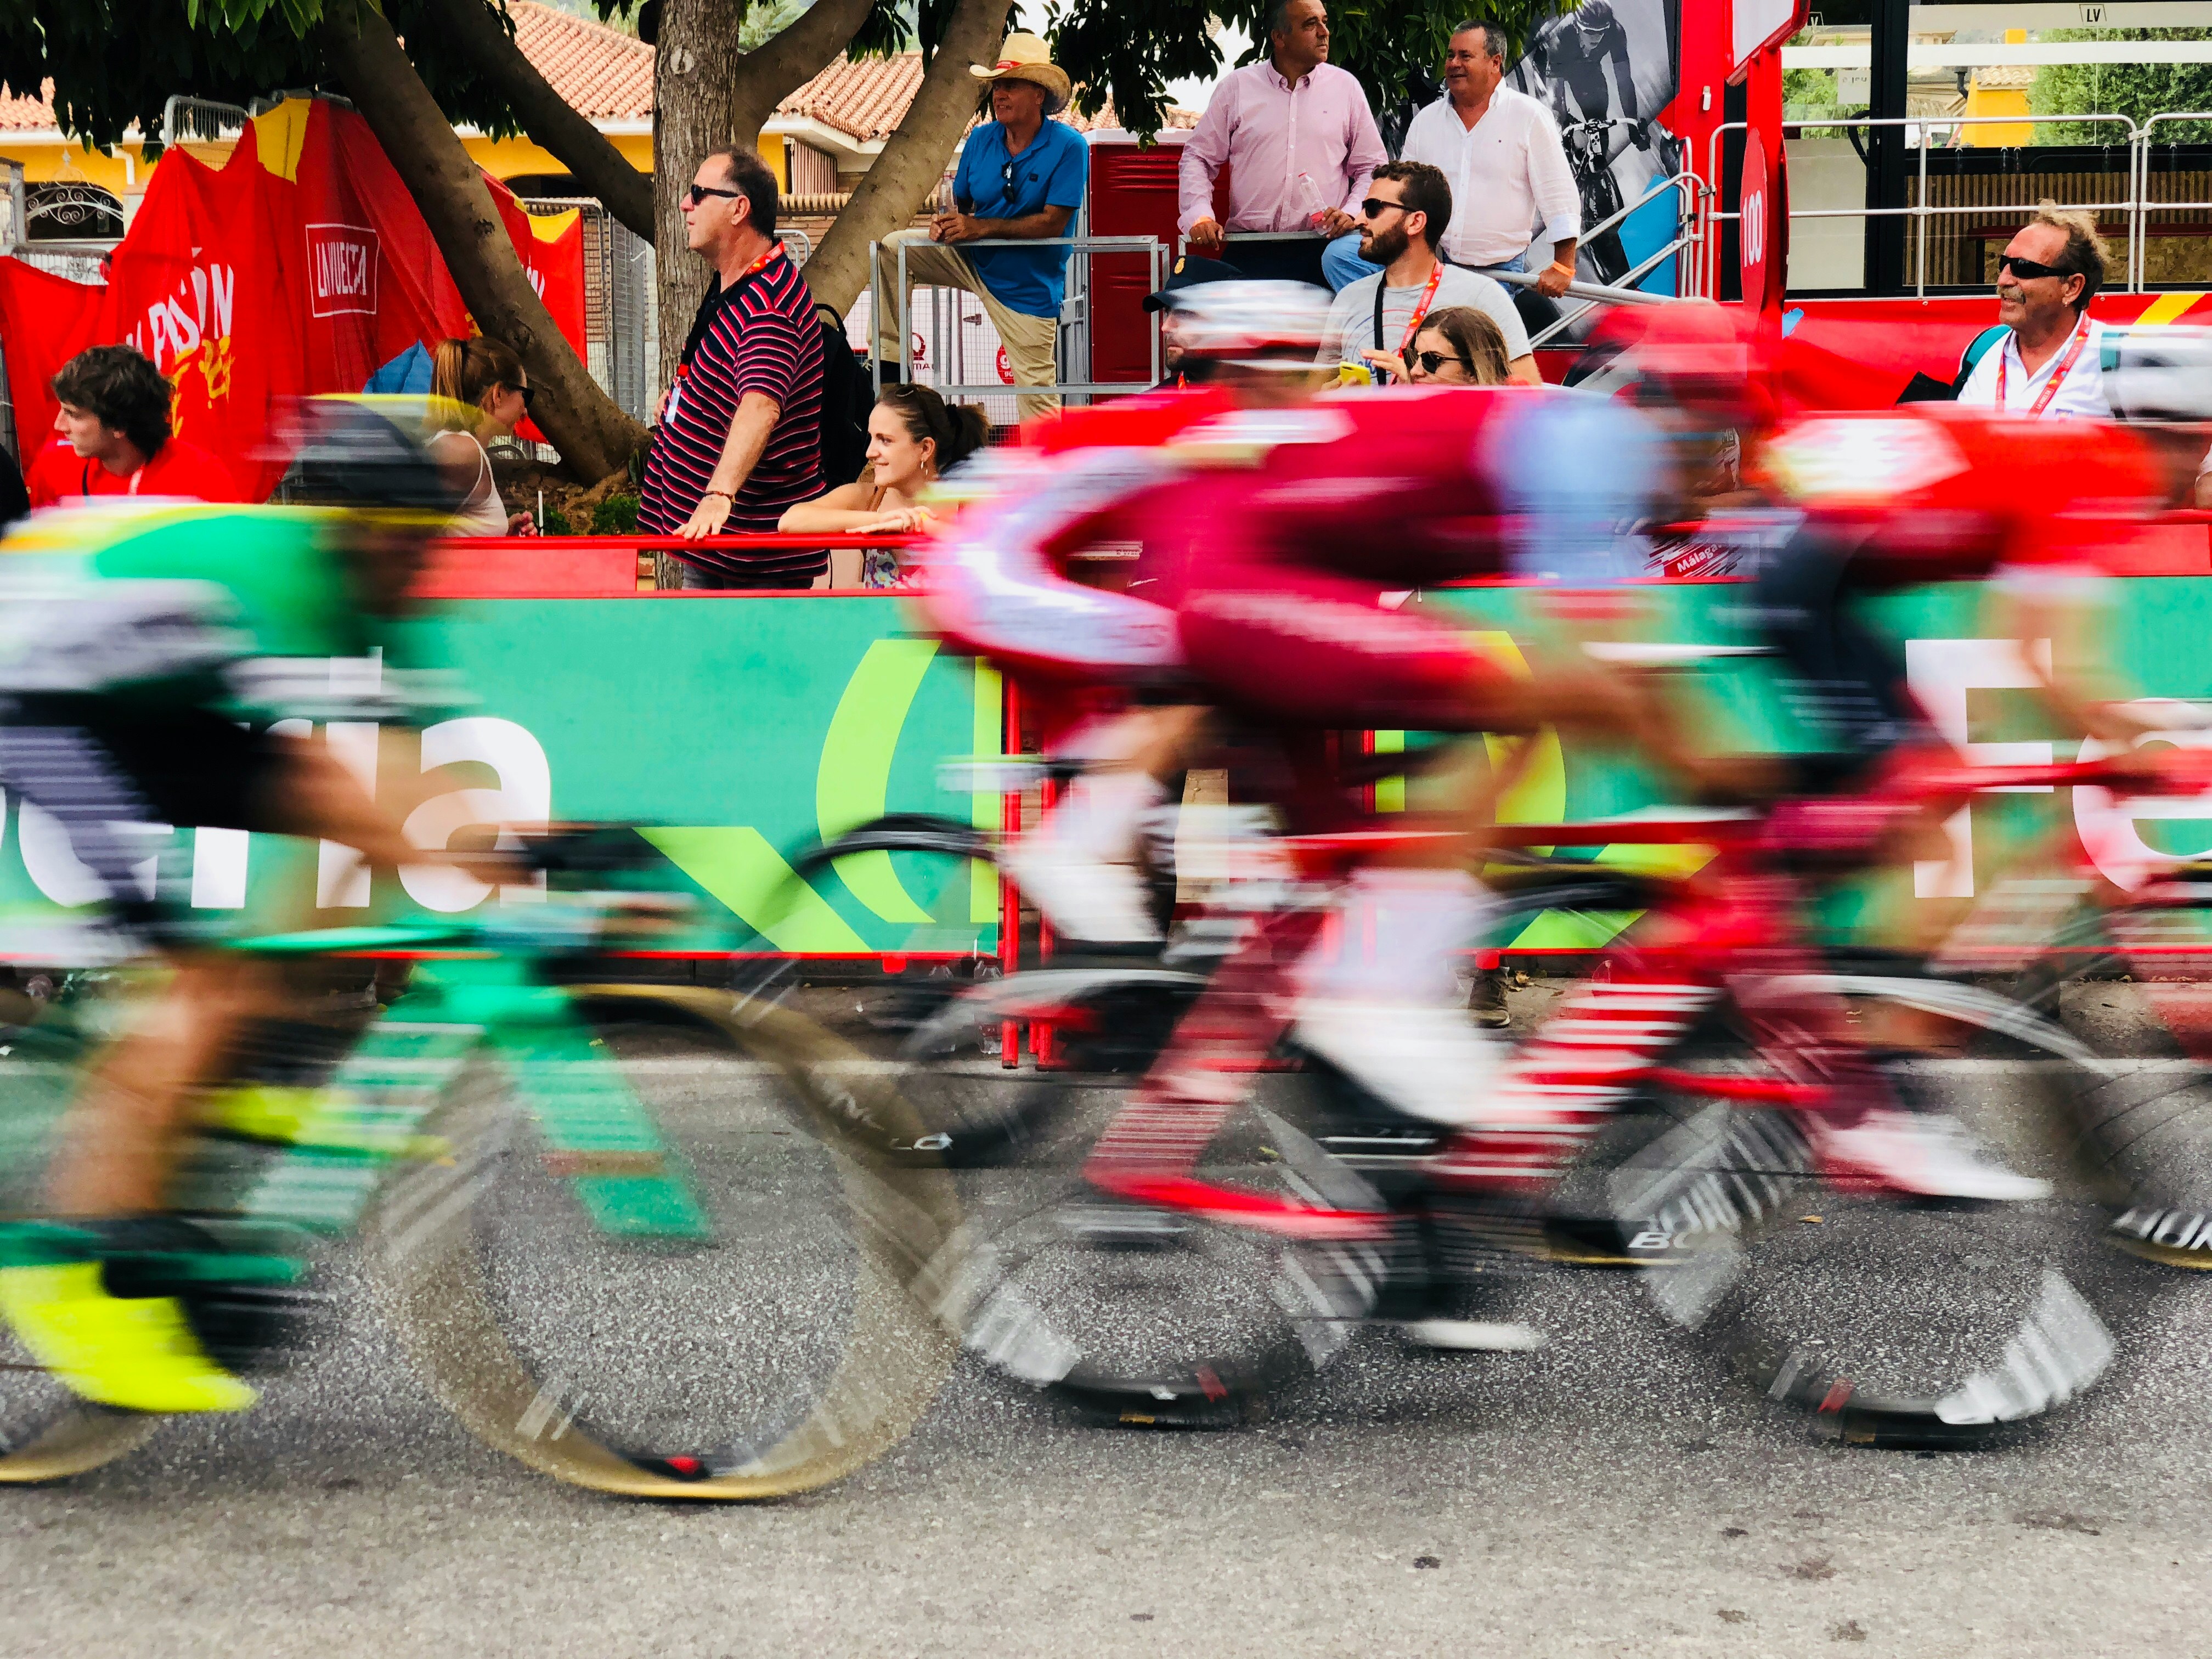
x: 594, y: 437
x: 708, y: 95
x: 475, y: 32
x: 913, y: 162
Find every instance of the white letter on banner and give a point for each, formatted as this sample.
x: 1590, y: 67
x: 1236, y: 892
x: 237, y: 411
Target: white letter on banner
x: 2108, y: 826
x: 341, y: 874
x: 219, y: 863
x: 1941, y: 673
x: 53, y: 864
x: 523, y: 799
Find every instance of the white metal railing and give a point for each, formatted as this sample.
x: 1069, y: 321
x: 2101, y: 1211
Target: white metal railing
x: 1682, y: 247
x: 1078, y: 246
x: 2136, y: 204
x: 2139, y: 239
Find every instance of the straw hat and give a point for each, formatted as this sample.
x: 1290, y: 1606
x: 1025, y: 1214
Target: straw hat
x: 1025, y: 58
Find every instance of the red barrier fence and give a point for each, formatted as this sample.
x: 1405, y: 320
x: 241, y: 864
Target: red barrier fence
x: 605, y: 567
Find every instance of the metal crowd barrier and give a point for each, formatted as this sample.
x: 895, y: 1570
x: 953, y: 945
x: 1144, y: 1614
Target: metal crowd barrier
x: 1151, y: 247
x: 2135, y: 204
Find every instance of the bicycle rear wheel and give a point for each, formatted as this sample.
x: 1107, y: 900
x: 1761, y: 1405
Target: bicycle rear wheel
x: 763, y: 1343
x: 1891, y: 1323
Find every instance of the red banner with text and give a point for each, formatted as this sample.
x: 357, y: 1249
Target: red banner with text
x: 302, y: 266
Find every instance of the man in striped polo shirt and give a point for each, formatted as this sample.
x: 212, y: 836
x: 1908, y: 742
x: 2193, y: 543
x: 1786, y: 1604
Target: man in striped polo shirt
x: 739, y: 437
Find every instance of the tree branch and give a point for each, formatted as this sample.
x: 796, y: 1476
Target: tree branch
x: 901, y: 177
x: 474, y: 31
x: 593, y: 436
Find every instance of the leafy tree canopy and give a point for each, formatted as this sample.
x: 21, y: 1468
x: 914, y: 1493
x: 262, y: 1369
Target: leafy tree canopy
x: 2137, y: 91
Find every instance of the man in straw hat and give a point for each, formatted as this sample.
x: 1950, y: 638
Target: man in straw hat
x: 1020, y: 178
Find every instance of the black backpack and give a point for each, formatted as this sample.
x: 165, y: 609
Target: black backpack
x: 848, y: 392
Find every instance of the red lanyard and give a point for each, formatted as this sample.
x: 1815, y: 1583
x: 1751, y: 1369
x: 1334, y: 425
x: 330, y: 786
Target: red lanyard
x: 1421, y: 307
x: 2057, y: 376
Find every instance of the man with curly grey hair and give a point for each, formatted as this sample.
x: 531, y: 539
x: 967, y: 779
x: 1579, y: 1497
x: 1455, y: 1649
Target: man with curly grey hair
x: 2049, y: 363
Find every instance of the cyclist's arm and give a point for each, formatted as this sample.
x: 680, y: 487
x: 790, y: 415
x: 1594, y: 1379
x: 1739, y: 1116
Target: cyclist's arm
x: 1624, y: 72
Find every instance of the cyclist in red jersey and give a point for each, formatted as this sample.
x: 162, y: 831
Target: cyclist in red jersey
x: 1924, y: 494
x: 1274, y: 532
x: 997, y: 583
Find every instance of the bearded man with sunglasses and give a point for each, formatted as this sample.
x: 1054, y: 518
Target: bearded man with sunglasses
x: 2050, y: 363
x: 1402, y: 218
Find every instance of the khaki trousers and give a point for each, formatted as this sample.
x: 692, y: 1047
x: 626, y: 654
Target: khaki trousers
x: 1032, y: 343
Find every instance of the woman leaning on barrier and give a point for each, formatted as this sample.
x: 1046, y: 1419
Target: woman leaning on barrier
x: 488, y: 377
x: 914, y: 435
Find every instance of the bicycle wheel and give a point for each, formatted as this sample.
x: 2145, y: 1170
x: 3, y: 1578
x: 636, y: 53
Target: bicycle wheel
x: 717, y: 1307
x: 2143, y: 1109
x: 1146, y: 1314
x: 1893, y: 1323
x: 46, y: 1431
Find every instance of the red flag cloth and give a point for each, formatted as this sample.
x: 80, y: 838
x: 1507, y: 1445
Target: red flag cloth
x: 302, y: 266
x: 45, y: 320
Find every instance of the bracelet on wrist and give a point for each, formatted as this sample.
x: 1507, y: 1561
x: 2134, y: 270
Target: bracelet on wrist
x: 728, y: 495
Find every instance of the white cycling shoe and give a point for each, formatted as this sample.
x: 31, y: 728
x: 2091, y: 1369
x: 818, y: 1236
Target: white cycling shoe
x: 1426, y: 1061
x: 1085, y: 897
x: 1928, y: 1153
x: 1471, y: 1336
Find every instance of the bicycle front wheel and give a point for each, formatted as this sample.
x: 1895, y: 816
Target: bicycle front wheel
x: 710, y: 1300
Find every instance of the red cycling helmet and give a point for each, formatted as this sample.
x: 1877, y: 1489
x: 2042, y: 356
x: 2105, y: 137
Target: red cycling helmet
x: 1690, y: 354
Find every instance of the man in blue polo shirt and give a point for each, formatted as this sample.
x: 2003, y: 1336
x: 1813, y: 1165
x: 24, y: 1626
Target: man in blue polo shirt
x: 1021, y: 178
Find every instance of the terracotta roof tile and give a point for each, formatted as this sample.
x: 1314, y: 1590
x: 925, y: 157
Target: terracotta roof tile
x: 20, y: 114
x: 866, y: 99
x: 602, y: 73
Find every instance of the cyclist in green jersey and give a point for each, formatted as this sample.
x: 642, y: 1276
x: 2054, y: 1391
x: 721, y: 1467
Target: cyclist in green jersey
x: 145, y: 651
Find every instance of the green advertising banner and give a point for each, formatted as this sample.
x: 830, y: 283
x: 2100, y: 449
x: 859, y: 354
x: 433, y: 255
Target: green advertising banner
x: 740, y: 729
x: 743, y: 729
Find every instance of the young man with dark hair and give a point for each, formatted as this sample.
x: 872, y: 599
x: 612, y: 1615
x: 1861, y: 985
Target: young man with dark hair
x: 115, y: 436
x: 1404, y: 214
x: 739, y: 437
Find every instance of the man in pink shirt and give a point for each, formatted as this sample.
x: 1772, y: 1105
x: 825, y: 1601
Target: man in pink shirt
x: 1301, y: 144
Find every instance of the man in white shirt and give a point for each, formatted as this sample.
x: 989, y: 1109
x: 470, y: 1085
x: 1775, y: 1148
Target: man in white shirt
x: 1407, y: 208
x: 2051, y: 362
x: 1501, y: 152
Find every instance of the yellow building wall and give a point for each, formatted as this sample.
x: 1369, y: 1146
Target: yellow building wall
x: 502, y: 158
x: 1997, y: 100
x: 44, y: 163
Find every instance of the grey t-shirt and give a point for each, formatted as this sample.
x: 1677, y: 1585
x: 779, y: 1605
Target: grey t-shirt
x: 1350, y: 332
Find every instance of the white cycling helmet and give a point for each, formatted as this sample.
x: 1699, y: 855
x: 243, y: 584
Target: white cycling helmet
x: 1258, y: 325
x: 2159, y: 373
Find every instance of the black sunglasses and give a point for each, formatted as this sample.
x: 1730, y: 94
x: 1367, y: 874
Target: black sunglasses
x: 1375, y: 205
x: 2028, y: 269
x: 1430, y: 362
x: 530, y: 393
x: 701, y: 192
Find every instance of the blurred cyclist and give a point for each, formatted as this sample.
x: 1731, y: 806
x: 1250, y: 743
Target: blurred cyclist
x: 1145, y: 471
x: 136, y: 639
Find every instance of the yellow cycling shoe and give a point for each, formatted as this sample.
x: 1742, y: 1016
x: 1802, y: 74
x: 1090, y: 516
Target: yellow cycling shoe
x: 136, y: 1353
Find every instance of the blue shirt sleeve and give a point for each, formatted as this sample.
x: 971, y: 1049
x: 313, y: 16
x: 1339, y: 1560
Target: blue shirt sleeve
x: 1064, y: 188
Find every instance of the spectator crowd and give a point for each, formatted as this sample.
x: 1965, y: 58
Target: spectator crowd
x: 746, y: 438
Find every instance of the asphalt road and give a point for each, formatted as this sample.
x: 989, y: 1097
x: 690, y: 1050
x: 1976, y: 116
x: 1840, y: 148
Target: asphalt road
x: 1609, y: 1495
